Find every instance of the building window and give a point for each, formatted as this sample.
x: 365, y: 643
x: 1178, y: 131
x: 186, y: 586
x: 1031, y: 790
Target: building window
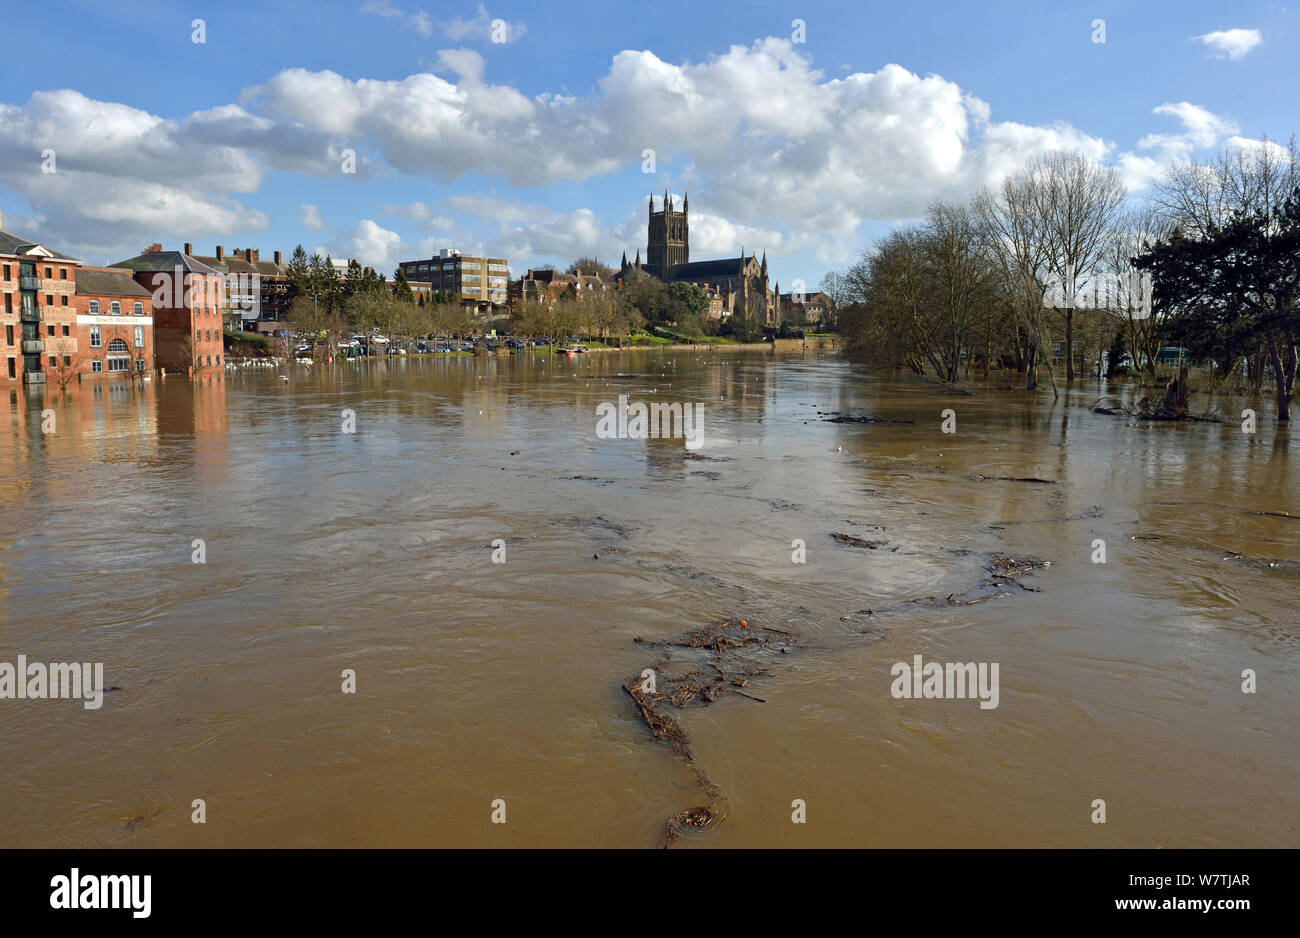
x: 63, y: 273
x: 49, y: 273
x: 218, y: 359
x: 94, y: 307
x: 94, y: 337
x: 9, y: 335
x: 12, y: 373
x: 63, y: 300
x: 115, y: 308
x: 139, y: 336
x: 54, y: 362
x: 65, y: 329
x: 96, y: 366
x: 119, y: 363
x: 67, y: 361
x: 49, y: 299
x: 7, y: 277
x: 117, y: 345
x: 50, y: 330
x: 138, y: 309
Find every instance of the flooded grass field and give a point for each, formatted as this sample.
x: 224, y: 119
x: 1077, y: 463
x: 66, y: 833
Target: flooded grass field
x: 475, y: 680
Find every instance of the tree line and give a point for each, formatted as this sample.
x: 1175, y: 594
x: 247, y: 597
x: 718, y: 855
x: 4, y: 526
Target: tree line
x: 1058, y: 262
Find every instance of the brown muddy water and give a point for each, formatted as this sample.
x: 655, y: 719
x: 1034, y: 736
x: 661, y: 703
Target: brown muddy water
x: 478, y: 681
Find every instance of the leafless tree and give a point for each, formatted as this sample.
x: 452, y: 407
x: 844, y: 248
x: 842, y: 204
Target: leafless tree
x: 1079, y: 202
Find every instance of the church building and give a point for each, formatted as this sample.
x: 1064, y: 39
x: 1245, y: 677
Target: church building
x: 736, y: 285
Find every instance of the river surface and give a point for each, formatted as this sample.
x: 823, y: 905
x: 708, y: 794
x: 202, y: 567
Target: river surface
x: 373, y: 551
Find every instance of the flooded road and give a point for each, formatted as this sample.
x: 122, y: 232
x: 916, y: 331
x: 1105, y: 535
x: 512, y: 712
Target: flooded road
x: 373, y: 551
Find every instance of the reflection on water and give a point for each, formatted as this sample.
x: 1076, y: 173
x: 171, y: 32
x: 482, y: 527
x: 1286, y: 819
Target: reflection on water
x: 372, y: 551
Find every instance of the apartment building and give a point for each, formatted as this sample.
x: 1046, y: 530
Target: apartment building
x: 37, y: 285
x: 256, y: 293
x: 187, y: 301
x: 480, y: 282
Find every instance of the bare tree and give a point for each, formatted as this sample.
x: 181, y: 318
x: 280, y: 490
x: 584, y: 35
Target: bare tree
x: 1079, y: 202
x: 1016, y: 235
x: 66, y: 363
x: 1198, y: 196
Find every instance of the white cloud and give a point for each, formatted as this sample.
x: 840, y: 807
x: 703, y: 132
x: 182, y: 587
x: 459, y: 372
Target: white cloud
x: 309, y: 217
x: 1230, y: 43
x: 778, y: 155
x: 419, y: 21
x: 1202, y: 129
x: 482, y: 27
x: 121, y: 174
x: 368, y: 243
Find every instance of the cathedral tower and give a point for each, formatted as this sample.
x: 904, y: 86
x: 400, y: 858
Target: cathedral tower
x: 669, y: 241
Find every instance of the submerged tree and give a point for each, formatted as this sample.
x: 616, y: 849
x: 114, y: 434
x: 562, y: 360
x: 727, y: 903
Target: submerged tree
x: 1228, y: 285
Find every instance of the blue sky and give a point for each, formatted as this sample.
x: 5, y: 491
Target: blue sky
x: 533, y: 147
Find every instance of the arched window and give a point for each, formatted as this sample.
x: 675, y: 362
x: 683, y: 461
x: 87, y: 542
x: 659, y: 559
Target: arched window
x: 118, y: 345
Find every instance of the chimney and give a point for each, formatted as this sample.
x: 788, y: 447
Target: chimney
x: 221, y: 252
x: 248, y: 255
x: 152, y: 249
x: 278, y: 261
x: 189, y: 248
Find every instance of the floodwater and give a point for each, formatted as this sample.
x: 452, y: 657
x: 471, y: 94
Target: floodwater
x: 373, y: 551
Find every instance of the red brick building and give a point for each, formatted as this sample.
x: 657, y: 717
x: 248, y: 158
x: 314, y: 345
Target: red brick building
x: 37, y: 286
x: 114, y: 323
x: 187, y: 302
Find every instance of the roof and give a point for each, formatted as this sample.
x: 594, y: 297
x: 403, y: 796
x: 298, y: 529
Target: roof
x: 726, y: 266
x: 165, y: 261
x: 11, y: 243
x: 103, y: 283
x: 237, y: 264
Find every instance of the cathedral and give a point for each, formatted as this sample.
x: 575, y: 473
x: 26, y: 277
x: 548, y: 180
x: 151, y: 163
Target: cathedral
x: 734, y: 285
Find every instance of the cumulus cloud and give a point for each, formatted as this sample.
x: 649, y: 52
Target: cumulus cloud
x: 121, y: 174
x: 1202, y: 129
x: 368, y: 243
x: 1230, y: 43
x: 780, y: 156
x: 309, y: 217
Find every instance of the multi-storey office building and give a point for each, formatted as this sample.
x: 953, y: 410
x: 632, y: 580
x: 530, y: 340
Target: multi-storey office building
x: 480, y: 282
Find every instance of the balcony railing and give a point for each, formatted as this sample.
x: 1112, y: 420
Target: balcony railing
x: 33, y: 346
x: 29, y: 283
x: 34, y: 314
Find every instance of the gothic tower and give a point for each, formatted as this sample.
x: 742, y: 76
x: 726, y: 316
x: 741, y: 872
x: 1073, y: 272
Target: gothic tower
x: 669, y: 241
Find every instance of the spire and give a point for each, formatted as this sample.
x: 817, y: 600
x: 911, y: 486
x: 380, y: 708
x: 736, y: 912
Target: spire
x: 638, y: 258
x: 686, y: 201
x: 623, y: 265
x: 667, y: 207
x: 652, y: 203
x: 764, y: 260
